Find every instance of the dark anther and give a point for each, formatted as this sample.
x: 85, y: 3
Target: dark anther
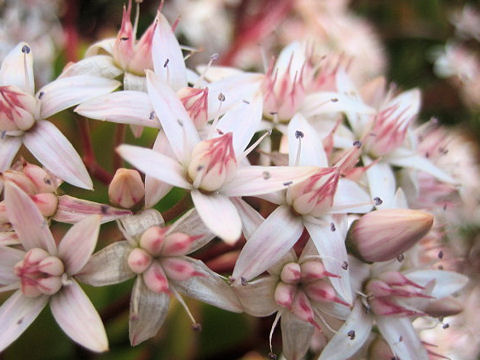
x: 214, y: 57
x: 197, y: 327
x: 288, y: 183
x: 221, y: 97
x: 104, y: 209
x: 180, y: 122
x: 152, y: 115
x: 332, y: 227
x: 199, y: 167
x: 243, y: 281
x: 273, y: 113
x: 345, y: 265
x: 19, y: 321
x: 400, y: 258
x: 445, y: 326
x: 219, y: 132
x: 298, y: 134
x: 377, y: 201
x: 351, y: 334
x: 246, y: 102
x: 440, y: 254
x: 400, y: 339
x: 272, y: 356
x: 334, y: 100
x: 26, y: 49
x: 357, y: 143
x: 40, y: 94
x: 266, y: 175
x: 124, y: 38
x: 47, y: 181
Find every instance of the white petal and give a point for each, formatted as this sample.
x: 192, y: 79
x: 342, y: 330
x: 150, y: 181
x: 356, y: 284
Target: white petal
x: 342, y: 345
x: 327, y: 102
x: 26, y: 219
x: 134, y: 226
x: 9, y: 146
x: 219, y: 215
x: 123, y: 107
x: 77, y: 317
x: 108, y: 266
x: 402, y: 338
x: 147, y: 312
x: 134, y: 82
x: 350, y: 198
x: 257, y: 180
x: 331, y: 247
x: 251, y: 218
x: 209, y: 287
x: 311, y: 149
x: 16, y: 314
x: 296, y: 336
x: 167, y: 56
x: 57, y: 154
x: 268, y: 244
x: 17, y: 68
x: 243, y: 121
x: 257, y: 296
x: 446, y: 282
x: 179, y: 128
x: 100, y: 65
x: 69, y: 91
x: 381, y: 182
x: 8, y: 258
x: 9, y: 238
x: 216, y: 73
x: 103, y: 45
x: 78, y: 244
x: 155, y: 164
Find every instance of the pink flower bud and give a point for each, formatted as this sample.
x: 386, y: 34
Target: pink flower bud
x: 378, y: 288
x: 385, y: 234
x: 152, y: 240
x: 315, y: 195
x: 139, y: 260
x: 291, y: 273
x: 43, y: 181
x: 177, y: 244
x: 213, y: 163
x: 178, y: 269
x: 321, y: 290
x: 195, y: 102
x: 284, y: 294
x: 155, y: 278
x: 142, y: 58
x: 126, y: 188
x: 302, y: 308
x: 16, y: 109
x: 123, y: 47
x: 314, y: 270
x: 51, y: 265
x: 47, y: 203
x: 21, y: 180
x: 49, y: 285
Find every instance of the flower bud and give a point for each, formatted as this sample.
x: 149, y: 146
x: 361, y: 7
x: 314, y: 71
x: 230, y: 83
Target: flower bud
x: 448, y: 306
x: 16, y: 109
x: 126, y: 188
x: 284, y: 294
x: 291, y: 273
x: 155, y: 278
x: 152, y: 240
x: 49, y: 285
x: 177, y: 244
x: 47, y: 203
x: 195, y: 102
x: 52, y: 265
x: 142, y: 57
x: 139, y: 260
x: 123, y: 48
x: 44, y: 182
x: 179, y: 269
x: 385, y: 234
x: 21, y: 180
x: 213, y: 163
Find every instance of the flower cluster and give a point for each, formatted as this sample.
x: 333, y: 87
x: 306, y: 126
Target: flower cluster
x: 318, y: 189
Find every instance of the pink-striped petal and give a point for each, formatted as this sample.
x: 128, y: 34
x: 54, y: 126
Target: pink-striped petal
x: 296, y: 336
x: 17, y: 68
x: 16, y: 315
x: 219, y: 215
x: 31, y: 227
x: 78, y: 244
x: 268, y: 244
x: 70, y: 91
x: 77, y: 317
x: 108, y: 266
x: 179, y: 128
x: 257, y: 180
x: 330, y: 243
x: 148, y: 311
x: 123, y: 107
x: 155, y: 164
x: 55, y: 152
x: 350, y: 198
x: 208, y: 287
x: 71, y: 210
x: 402, y: 338
x: 304, y: 147
x: 9, y: 146
x: 351, y: 336
x: 8, y: 258
x: 257, y: 296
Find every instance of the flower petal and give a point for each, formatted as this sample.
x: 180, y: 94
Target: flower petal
x: 219, y: 215
x: 78, y: 244
x: 268, y: 244
x: 343, y: 345
x: 446, y: 282
x: 167, y: 56
x: 381, y: 182
x: 148, y: 311
x: 17, y: 68
x: 257, y: 296
x: 257, y: 180
x: 311, y: 149
x: 108, y: 266
x: 251, y: 218
x: 100, y: 65
x: 350, y: 198
x: 155, y: 164
x: 77, y: 317
x: 16, y: 315
x: 105, y: 45
x: 209, y: 287
x: 331, y: 247
x: 9, y: 238
x: 26, y: 219
x: 132, y: 227
x: 296, y: 336
x: 123, y: 107
x: 179, y: 128
x: 9, y: 146
x: 8, y: 258
x: 71, y: 210
x: 55, y: 152
x: 402, y: 338
x: 69, y: 91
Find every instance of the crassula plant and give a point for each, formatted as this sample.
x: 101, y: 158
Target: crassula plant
x: 279, y: 193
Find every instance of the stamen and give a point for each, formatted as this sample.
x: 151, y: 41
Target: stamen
x: 213, y: 126
x: 324, y: 321
x: 137, y: 16
x: 213, y: 58
x: 298, y: 135
x: 255, y: 144
x: 195, y: 324
x: 25, y: 51
x: 274, y: 325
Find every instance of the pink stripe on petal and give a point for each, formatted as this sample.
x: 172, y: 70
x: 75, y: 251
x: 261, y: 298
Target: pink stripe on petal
x: 77, y: 317
x: 16, y: 314
x: 78, y: 244
x: 8, y: 149
x: 57, y: 154
x: 32, y: 228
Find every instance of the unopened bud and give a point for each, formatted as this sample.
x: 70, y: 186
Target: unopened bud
x: 44, y: 182
x: 21, y: 180
x: 385, y: 234
x: 284, y: 294
x: 444, y: 307
x: 49, y: 285
x: 291, y: 273
x: 17, y: 109
x: 177, y: 244
x: 51, y: 265
x: 126, y: 188
x: 152, y: 240
x: 47, y: 203
x: 155, y: 278
x: 139, y: 260
x: 178, y: 269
